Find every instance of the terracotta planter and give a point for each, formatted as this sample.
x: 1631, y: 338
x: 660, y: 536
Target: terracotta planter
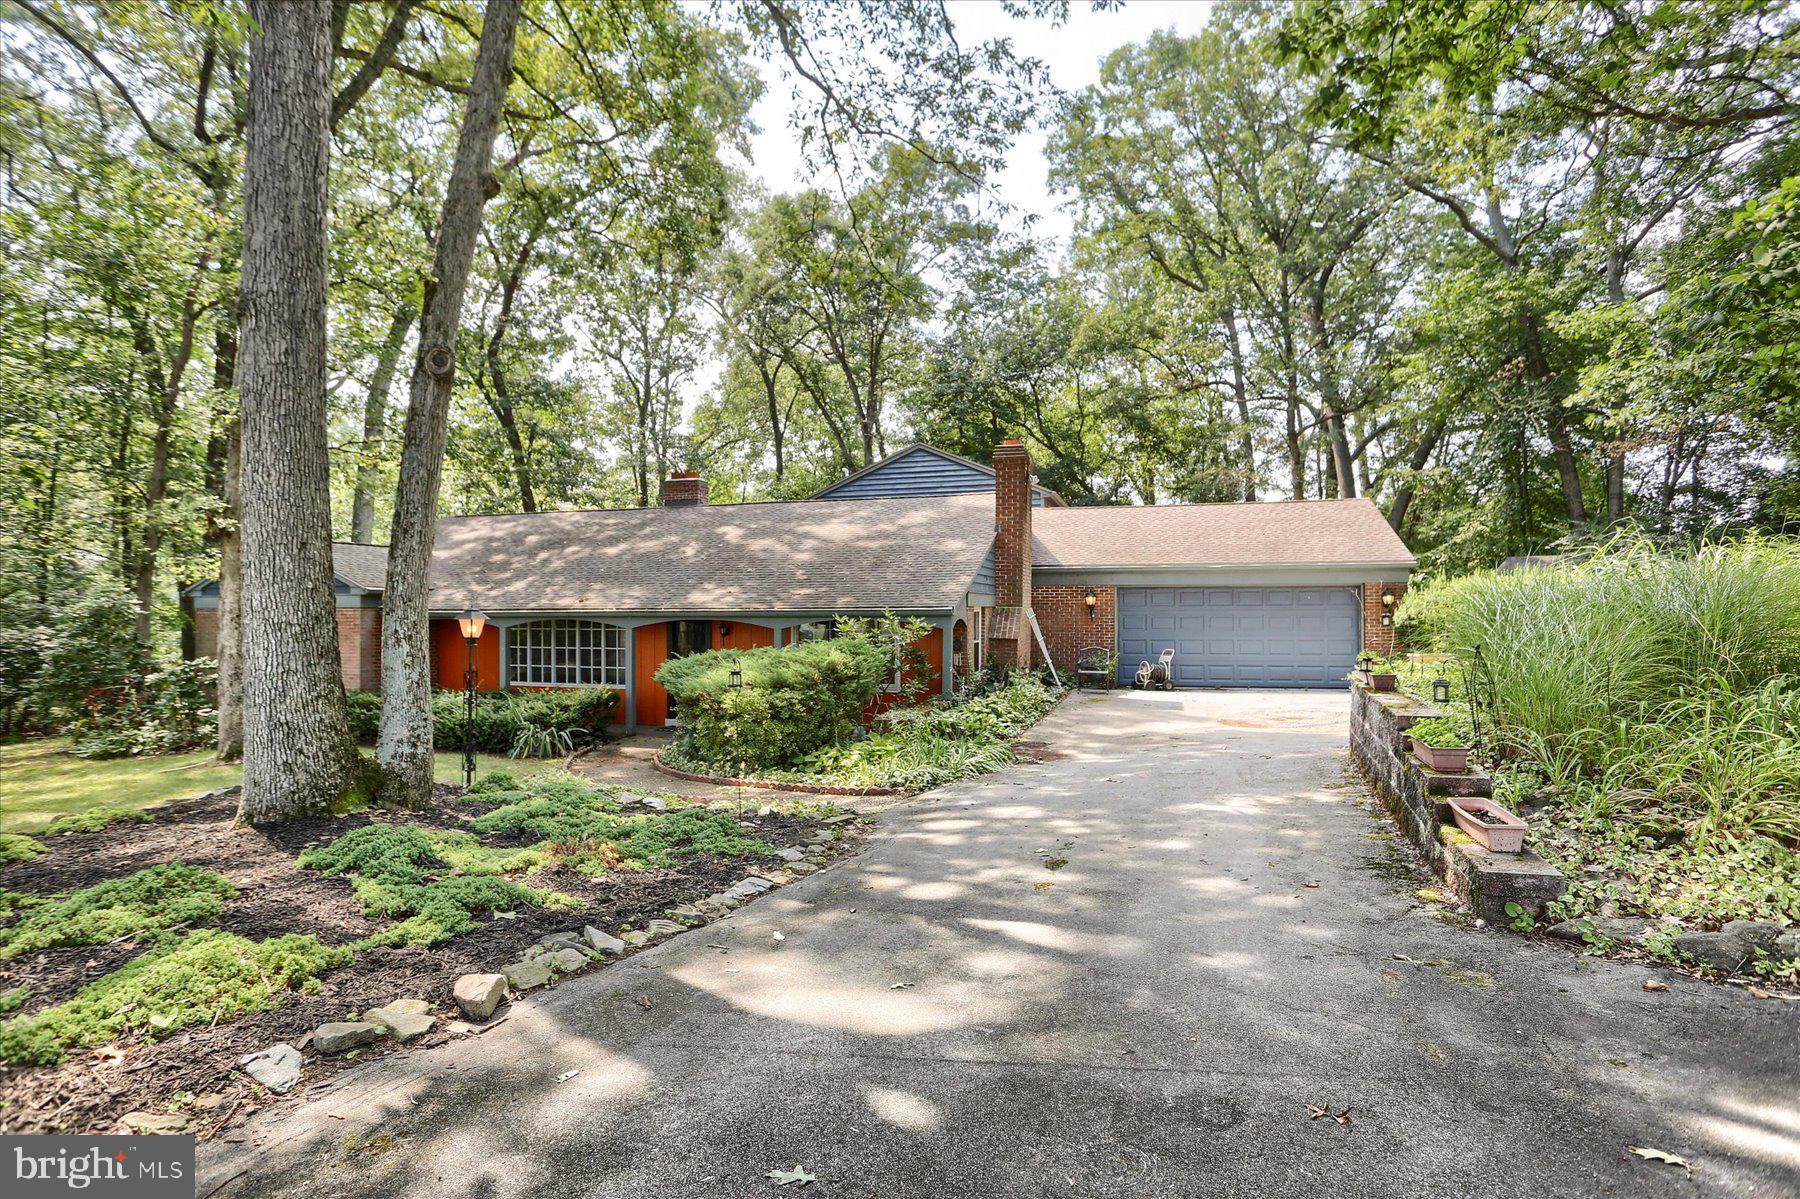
x: 1490, y: 824
x: 1378, y: 682
x: 1450, y: 759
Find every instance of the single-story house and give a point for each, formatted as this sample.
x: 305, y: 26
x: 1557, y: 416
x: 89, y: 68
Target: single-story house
x: 1279, y: 594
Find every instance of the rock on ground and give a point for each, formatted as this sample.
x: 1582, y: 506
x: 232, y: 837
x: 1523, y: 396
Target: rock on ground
x: 277, y: 1067
x: 342, y: 1035
x: 477, y: 995
x: 604, y: 942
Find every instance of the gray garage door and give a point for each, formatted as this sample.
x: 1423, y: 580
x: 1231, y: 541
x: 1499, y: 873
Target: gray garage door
x: 1242, y: 636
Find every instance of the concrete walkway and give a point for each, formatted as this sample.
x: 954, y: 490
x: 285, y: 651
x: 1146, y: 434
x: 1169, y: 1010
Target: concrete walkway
x: 1152, y: 1018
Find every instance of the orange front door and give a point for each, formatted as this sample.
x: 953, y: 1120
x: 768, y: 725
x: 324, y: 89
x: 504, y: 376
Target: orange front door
x: 653, y: 647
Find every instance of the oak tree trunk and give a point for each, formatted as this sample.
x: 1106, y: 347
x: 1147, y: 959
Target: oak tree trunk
x: 405, y: 744
x: 298, y: 754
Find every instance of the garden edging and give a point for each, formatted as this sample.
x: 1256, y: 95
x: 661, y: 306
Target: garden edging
x: 1416, y: 797
x: 656, y: 760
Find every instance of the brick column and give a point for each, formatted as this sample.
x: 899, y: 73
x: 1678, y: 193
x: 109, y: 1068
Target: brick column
x: 1379, y: 639
x: 1010, y: 640
x: 683, y: 489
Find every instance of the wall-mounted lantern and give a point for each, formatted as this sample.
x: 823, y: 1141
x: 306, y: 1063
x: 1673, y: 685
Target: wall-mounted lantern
x: 1092, y: 600
x: 724, y: 630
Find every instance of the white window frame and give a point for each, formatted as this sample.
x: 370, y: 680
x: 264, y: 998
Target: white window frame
x: 565, y: 652
x: 977, y: 639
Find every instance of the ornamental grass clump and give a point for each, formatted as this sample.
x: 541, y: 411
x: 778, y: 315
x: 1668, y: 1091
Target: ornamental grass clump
x: 160, y: 897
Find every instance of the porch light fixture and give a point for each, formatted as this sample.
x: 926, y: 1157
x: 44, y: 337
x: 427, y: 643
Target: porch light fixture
x: 1440, y: 691
x: 1387, y: 599
x: 724, y: 630
x: 737, y: 679
x: 1092, y: 600
x: 473, y: 622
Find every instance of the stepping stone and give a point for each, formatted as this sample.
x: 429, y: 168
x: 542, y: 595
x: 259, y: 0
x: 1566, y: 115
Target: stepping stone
x: 791, y: 855
x: 277, y: 1067
x: 527, y: 976
x: 342, y: 1035
x: 664, y: 928
x: 402, y: 1024
x: 477, y: 995
x: 602, y: 942
x: 779, y: 877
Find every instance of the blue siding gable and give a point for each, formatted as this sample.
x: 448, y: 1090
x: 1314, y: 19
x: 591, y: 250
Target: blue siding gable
x: 919, y: 470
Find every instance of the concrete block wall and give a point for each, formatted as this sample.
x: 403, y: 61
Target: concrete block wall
x: 1416, y: 797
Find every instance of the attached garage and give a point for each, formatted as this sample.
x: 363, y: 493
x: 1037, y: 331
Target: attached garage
x: 1242, y: 636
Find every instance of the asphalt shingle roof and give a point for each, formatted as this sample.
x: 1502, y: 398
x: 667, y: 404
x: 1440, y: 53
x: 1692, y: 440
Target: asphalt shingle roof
x: 805, y: 556
x: 1292, y: 533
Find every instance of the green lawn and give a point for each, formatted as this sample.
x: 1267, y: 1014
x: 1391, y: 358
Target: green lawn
x: 41, y: 780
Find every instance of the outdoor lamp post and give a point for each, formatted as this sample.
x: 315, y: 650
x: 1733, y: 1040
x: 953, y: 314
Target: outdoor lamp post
x: 1440, y: 691
x: 472, y: 621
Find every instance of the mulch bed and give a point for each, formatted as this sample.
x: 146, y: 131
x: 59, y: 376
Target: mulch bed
x: 91, y: 1090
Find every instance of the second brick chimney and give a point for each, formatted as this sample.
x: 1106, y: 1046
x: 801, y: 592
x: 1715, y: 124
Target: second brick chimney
x: 683, y: 489
x: 1010, y: 635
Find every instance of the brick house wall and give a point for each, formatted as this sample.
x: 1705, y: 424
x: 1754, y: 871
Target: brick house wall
x: 1379, y: 639
x: 359, y: 644
x: 1069, y: 625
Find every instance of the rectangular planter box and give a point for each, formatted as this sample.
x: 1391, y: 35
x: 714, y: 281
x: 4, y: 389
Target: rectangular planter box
x: 1378, y: 682
x: 1452, y: 759
x: 1508, y: 836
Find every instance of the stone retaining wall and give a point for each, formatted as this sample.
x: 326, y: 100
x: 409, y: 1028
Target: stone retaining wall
x: 1416, y: 796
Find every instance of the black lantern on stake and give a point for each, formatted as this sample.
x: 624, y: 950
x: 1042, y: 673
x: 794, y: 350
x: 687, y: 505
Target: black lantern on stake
x: 737, y: 679
x: 473, y: 623
x: 1440, y: 691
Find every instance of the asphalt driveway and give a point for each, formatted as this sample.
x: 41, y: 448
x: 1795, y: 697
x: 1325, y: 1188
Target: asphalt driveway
x: 948, y: 1015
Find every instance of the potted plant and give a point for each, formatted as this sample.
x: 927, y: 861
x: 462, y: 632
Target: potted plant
x: 1370, y: 674
x: 1439, y: 744
x: 1490, y: 824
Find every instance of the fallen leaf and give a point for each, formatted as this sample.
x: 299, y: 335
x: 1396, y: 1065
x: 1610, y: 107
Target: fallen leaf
x: 797, y: 1174
x: 778, y: 935
x: 566, y: 1075
x: 1342, y: 1117
x: 1042, y: 886
x: 899, y: 986
x: 1651, y: 984
x: 1759, y: 993
x: 506, y: 915
x: 1313, y: 884
x: 643, y: 1001
x: 1660, y: 1155
x: 1317, y: 1113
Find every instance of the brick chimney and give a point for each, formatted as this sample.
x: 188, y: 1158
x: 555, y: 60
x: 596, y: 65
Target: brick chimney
x: 683, y: 489
x: 1010, y: 636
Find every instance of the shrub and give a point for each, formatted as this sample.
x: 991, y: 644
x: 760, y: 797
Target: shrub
x: 586, y: 826
x: 17, y: 848
x: 793, y: 700
x: 205, y: 975
x: 94, y: 819
x: 396, y: 874
x: 1439, y: 732
x: 162, y: 712
x: 156, y: 898
x: 571, y: 717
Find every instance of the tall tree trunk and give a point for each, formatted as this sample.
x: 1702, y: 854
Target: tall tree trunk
x: 404, y: 748
x: 1403, y: 495
x: 227, y: 535
x: 298, y: 754
x: 375, y: 410
x: 1246, y: 446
